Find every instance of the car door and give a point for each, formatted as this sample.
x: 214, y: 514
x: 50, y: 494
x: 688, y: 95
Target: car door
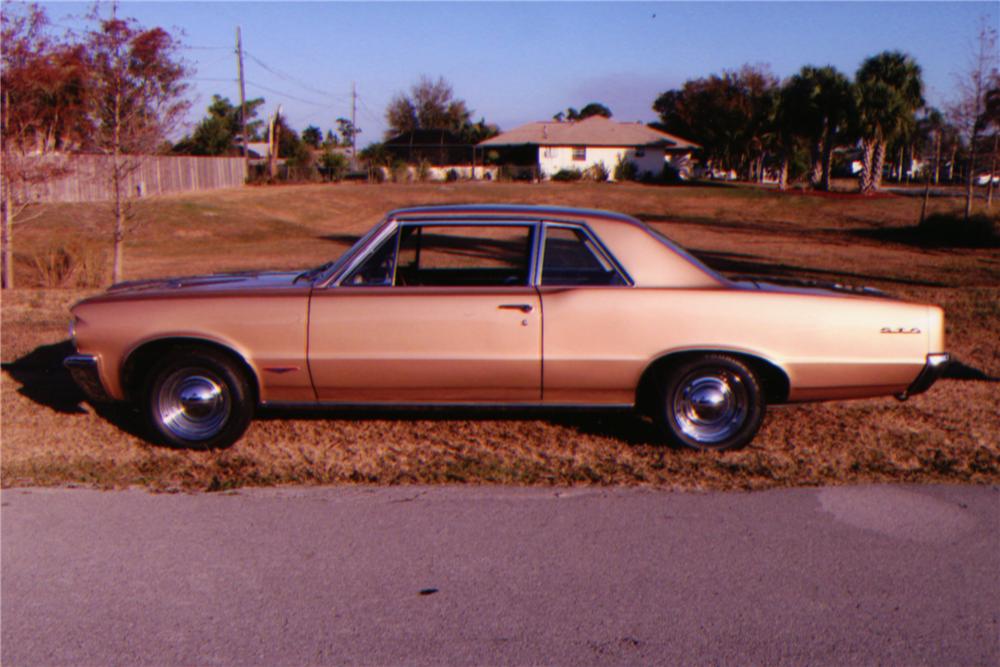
x: 588, y: 302
x: 436, y: 312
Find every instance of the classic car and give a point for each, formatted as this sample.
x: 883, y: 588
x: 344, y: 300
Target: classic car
x: 498, y: 306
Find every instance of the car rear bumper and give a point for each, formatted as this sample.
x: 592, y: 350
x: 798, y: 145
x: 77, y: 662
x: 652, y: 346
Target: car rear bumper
x: 83, y: 368
x: 933, y: 369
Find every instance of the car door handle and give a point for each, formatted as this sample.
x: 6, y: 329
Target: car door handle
x: 523, y: 307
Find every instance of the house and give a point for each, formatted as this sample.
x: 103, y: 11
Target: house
x: 436, y: 154
x: 436, y: 147
x: 552, y: 146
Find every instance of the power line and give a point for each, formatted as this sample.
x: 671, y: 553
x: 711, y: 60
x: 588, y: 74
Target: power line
x: 289, y: 95
x: 288, y: 77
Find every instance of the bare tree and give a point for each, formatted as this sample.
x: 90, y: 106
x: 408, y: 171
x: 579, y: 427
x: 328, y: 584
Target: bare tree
x: 43, y: 99
x: 137, y: 83
x: 969, y: 111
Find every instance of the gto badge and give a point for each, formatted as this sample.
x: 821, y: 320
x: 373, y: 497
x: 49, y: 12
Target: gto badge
x: 899, y: 330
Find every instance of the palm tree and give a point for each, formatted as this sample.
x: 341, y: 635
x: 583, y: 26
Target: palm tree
x: 888, y: 90
x: 821, y: 100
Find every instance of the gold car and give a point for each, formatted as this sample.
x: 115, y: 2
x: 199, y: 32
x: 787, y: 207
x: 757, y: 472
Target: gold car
x: 498, y: 306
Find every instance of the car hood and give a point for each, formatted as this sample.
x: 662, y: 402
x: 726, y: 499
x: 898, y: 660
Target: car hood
x: 243, y: 281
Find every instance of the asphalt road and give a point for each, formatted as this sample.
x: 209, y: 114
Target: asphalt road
x: 489, y: 575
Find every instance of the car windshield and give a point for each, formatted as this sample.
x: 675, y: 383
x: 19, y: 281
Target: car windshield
x: 323, y: 271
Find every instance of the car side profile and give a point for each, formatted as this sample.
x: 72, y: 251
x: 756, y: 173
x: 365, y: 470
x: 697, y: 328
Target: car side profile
x: 497, y: 305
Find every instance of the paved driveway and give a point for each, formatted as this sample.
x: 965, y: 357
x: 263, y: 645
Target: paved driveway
x: 490, y: 575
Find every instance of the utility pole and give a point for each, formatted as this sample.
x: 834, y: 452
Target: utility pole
x: 273, y: 141
x: 243, y: 105
x: 354, y: 126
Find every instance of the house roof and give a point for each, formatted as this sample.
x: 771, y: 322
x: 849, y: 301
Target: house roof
x: 592, y: 131
x: 426, y: 137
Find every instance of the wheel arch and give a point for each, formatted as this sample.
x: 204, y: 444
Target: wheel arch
x: 140, y: 361
x: 774, y: 380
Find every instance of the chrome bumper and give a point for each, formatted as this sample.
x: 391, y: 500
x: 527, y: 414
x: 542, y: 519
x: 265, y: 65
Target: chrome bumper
x: 933, y: 369
x: 83, y: 368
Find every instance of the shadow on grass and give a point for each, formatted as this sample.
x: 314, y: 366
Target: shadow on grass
x: 940, y: 231
x: 715, y: 223
x: 621, y: 424
x: 754, y: 265
x: 346, y: 240
x: 47, y: 383
x: 44, y: 380
x: 956, y: 370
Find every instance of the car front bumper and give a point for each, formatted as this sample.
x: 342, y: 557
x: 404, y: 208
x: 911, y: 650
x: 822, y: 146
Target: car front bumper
x: 933, y: 369
x: 83, y: 368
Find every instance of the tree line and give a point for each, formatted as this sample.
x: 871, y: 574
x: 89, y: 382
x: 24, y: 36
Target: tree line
x: 749, y: 122
x: 118, y: 89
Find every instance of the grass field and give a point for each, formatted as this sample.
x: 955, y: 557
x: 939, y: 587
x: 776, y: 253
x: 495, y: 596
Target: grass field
x: 951, y: 434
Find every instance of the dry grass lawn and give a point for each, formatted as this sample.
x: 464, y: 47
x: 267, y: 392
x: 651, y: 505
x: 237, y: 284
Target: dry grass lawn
x: 951, y: 434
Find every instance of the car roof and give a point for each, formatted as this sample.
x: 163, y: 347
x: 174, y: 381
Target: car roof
x: 512, y: 210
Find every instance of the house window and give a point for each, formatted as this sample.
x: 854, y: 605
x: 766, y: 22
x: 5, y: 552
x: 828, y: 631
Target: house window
x: 549, y: 152
x: 580, y: 153
x: 640, y: 151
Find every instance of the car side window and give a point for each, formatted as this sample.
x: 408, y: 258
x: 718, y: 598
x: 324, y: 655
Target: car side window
x: 377, y: 270
x: 464, y: 255
x: 572, y: 258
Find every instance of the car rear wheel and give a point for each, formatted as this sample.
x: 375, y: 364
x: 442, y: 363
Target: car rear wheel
x: 197, y: 398
x: 711, y: 402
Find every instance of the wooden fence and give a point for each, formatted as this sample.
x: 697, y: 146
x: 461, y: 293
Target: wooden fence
x: 85, y: 177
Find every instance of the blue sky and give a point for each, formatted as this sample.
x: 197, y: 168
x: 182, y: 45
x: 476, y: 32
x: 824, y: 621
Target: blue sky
x: 524, y: 61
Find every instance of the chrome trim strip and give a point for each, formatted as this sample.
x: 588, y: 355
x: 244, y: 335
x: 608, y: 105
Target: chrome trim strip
x: 86, y: 361
x: 321, y: 405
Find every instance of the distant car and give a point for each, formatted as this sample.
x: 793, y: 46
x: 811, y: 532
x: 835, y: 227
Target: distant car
x: 497, y: 306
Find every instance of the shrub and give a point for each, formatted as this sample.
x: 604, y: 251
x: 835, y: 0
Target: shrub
x: 598, y: 173
x: 451, y: 176
x: 423, y: 171
x: 300, y: 165
x: 400, y: 172
x: 625, y: 169
x: 68, y: 266
x: 566, y: 175
x: 333, y: 165
x: 670, y: 174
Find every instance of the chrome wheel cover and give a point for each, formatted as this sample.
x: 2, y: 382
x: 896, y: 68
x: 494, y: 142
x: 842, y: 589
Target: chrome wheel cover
x: 710, y: 406
x: 193, y: 404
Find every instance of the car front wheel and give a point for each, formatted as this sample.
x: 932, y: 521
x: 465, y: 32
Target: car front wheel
x: 711, y: 402
x: 197, y: 398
